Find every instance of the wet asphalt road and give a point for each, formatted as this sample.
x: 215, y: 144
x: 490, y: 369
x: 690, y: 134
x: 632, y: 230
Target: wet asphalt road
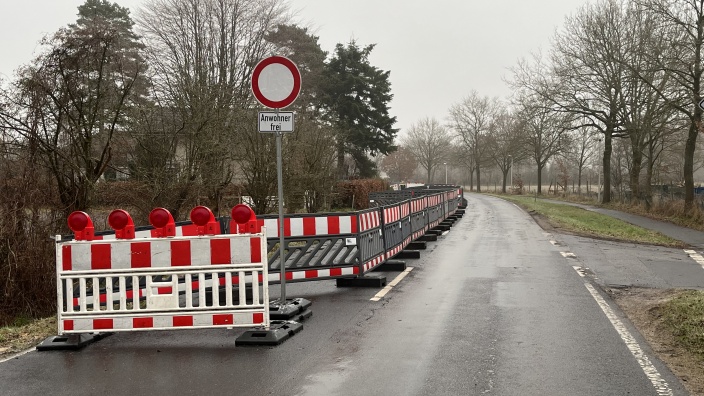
x: 495, y: 307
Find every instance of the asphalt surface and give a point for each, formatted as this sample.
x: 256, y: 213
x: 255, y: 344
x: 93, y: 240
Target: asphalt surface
x: 497, y: 306
x: 615, y: 264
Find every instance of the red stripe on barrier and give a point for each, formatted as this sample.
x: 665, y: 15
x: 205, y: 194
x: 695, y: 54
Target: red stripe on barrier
x: 289, y: 275
x: 180, y: 253
x: 223, y: 319
x: 258, y: 318
x: 141, y: 255
x: 220, y: 251
x: 180, y: 321
x: 255, y: 250
x: 353, y: 225
x: 335, y: 271
x: 66, y: 258
x: 102, y: 324
x: 164, y: 290
x: 287, y: 227
x: 311, y: 274
x: 100, y: 256
x: 355, y: 270
x: 309, y: 226
x: 68, y: 324
x: 334, y: 225
x: 189, y: 230
x: 142, y: 323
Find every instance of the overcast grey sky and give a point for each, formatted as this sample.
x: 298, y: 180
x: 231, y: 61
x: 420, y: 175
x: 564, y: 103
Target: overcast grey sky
x: 437, y: 51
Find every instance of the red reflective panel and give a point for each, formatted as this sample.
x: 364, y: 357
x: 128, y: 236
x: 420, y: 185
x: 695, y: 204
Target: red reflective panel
x: 241, y: 213
x: 200, y: 215
x: 159, y: 217
x: 78, y: 221
x: 118, y: 219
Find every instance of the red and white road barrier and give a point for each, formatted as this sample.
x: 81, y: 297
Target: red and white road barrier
x: 137, y: 284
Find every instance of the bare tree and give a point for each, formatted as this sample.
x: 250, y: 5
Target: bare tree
x: 399, y: 165
x: 74, y: 98
x: 430, y: 143
x: 505, y: 142
x: 202, y: 53
x: 681, y: 23
x: 545, y: 132
x: 471, y: 120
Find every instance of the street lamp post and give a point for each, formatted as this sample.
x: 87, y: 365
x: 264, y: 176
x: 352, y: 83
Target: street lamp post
x: 445, y: 172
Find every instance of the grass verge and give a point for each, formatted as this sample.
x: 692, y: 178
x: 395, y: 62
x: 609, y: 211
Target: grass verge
x: 684, y: 316
x: 24, y: 335
x: 591, y: 224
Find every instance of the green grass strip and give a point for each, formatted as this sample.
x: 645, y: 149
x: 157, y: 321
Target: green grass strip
x: 684, y: 315
x: 577, y: 220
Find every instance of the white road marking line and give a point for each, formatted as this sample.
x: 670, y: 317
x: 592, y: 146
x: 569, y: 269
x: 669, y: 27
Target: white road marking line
x: 568, y: 255
x: 16, y: 355
x: 390, y: 286
x: 661, y: 386
x: 554, y: 243
x: 696, y: 257
x: 580, y: 271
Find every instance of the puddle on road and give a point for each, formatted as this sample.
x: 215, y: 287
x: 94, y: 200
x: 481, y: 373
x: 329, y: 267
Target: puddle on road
x: 328, y: 382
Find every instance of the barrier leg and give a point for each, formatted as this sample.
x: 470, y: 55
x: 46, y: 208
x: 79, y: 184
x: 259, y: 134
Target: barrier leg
x: 391, y: 265
x: 70, y: 342
x: 279, y: 331
x: 293, y: 308
x: 362, y: 281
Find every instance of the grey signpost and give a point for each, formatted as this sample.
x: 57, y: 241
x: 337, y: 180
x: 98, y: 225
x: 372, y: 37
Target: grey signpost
x: 276, y: 83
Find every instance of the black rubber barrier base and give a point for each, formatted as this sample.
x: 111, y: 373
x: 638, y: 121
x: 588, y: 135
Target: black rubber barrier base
x: 442, y: 227
x: 435, y: 231
x: 428, y: 238
x: 70, y: 342
x: 391, y: 265
x: 303, y: 316
x: 447, y: 222
x: 460, y: 212
x: 287, y: 311
x: 279, y: 331
x: 418, y: 245
x: 362, y: 281
x: 408, y: 254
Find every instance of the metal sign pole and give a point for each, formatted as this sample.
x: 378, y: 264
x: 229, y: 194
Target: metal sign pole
x: 279, y: 174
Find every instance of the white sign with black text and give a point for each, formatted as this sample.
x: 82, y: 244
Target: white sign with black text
x: 281, y: 121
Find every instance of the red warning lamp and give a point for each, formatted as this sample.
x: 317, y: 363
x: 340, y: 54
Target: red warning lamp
x: 121, y: 221
x: 163, y: 223
x: 81, y: 225
x: 204, y: 220
x: 244, y: 221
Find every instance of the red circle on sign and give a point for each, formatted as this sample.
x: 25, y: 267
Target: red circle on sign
x: 295, y: 90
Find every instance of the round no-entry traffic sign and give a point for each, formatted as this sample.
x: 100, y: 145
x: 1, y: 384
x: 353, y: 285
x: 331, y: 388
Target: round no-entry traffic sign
x: 276, y: 82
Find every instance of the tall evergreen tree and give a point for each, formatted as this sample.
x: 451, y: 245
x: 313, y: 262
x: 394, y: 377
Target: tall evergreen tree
x: 356, y: 99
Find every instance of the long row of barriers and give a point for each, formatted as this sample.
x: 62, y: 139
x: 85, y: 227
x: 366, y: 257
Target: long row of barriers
x: 197, y: 274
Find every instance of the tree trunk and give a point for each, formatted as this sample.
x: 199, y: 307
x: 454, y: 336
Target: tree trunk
x: 503, y: 186
x: 634, y: 174
x: 540, y: 179
x: 479, y: 181
x: 689, y: 149
x: 341, y: 171
x: 606, y: 165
